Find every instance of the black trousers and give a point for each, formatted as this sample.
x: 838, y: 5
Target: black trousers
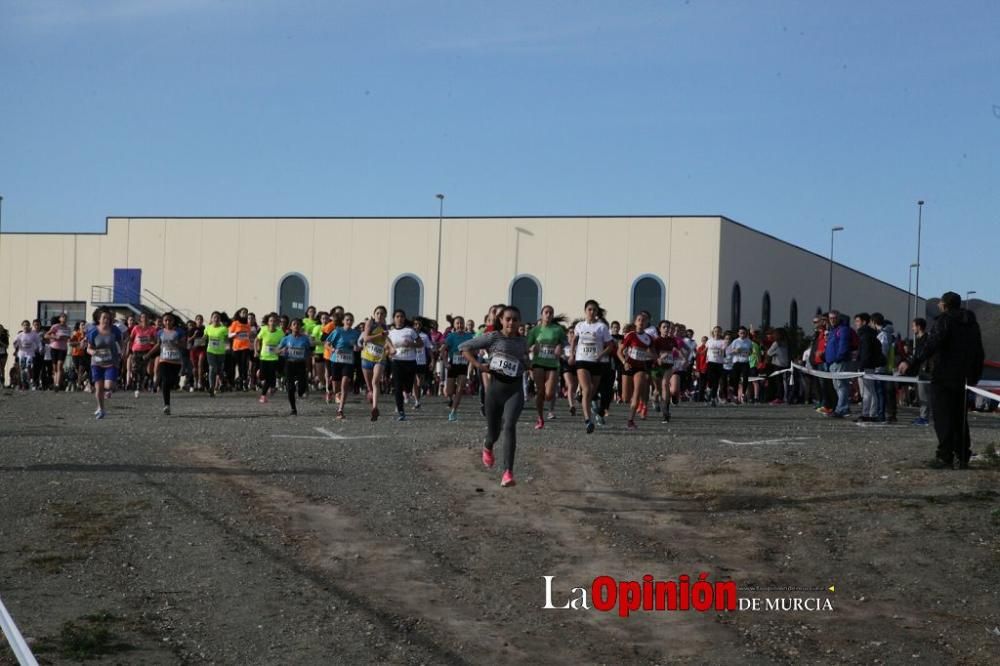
x: 268, y: 370
x: 951, y: 423
x: 295, y: 372
x: 504, y: 402
x: 714, y: 376
x: 403, y: 373
x: 606, y: 387
x: 169, y: 372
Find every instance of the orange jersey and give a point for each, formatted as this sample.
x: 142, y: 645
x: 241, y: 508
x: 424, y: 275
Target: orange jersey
x: 327, y: 330
x: 241, y: 339
x: 78, y: 343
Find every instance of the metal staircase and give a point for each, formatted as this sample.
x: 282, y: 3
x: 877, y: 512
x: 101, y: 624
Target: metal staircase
x: 135, y: 302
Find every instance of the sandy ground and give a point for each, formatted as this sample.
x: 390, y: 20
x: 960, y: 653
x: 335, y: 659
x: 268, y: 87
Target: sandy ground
x: 230, y: 533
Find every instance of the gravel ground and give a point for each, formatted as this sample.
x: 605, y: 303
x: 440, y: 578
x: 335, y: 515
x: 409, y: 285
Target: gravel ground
x: 230, y: 533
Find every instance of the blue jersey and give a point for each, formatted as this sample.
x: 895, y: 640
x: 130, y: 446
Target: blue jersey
x: 296, y: 347
x: 343, y: 341
x: 452, y: 342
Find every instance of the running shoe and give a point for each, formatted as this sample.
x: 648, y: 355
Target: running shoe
x: 97, y: 411
x: 211, y: 393
x: 572, y: 410
x: 550, y: 416
x: 99, y: 414
x: 340, y: 415
x: 329, y: 397
x: 166, y: 410
x: 401, y: 416
x: 488, y: 459
x: 539, y: 423
x: 507, y: 480
x: 599, y: 418
x: 666, y: 417
x: 921, y: 422
x: 293, y: 412
x: 262, y: 399
x: 452, y: 417
x: 374, y: 413
x: 137, y: 393
x: 590, y: 427
x: 416, y: 405
x: 631, y: 425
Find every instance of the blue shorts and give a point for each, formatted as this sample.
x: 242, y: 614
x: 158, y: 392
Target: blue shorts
x: 100, y: 373
x: 370, y: 365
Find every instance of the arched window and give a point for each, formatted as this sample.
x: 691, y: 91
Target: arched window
x: 793, y: 315
x: 765, y: 311
x: 734, y: 315
x: 647, y: 294
x: 408, y: 295
x: 293, y: 295
x: 526, y: 296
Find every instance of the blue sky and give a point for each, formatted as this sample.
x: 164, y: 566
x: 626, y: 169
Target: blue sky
x: 789, y: 117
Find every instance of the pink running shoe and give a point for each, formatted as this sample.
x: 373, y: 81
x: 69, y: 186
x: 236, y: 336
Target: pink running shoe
x: 262, y: 399
x: 540, y: 423
x: 488, y: 459
x: 507, y: 480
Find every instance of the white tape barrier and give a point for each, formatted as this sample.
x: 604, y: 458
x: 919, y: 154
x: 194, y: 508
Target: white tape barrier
x: 895, y: 379
x: 15, y: 639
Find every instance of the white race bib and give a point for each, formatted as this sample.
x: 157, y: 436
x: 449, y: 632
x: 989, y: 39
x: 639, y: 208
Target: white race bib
x: 638, y: 354
x: 215, y: 343
x: 586, y: 351
x: 297, y: 353
x: 170, y: 353
x: 547, y: 352
x: 103, y: 356
x: 343, y: 357
x: 505, y: 365
x: 374, y: 350
x: 459, y: 359
x: 270, y: 350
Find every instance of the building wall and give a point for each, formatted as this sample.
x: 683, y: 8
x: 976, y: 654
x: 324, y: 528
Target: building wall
x: 761, y: 263
x: 200, y: 265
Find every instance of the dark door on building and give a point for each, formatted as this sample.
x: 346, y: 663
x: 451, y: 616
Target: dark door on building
x: 128, y: 285
x: 292, y: 296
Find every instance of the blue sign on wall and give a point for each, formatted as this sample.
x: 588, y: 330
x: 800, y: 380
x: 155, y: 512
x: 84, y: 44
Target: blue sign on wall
x: 128, y: 285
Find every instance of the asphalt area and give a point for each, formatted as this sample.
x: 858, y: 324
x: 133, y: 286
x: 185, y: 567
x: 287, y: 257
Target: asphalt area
x: 231, y: 533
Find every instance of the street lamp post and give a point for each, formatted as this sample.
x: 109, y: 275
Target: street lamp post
x: 829, y: 303
x: 967, y: 294
x: 437, y: 297
x: 910, y: 301
x: 920, y: 215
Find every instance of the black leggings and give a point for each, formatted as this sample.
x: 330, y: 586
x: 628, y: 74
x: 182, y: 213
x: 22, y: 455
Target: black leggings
x: 740, y: 375
x: 714, y: 375
x: 504, y: 402
x: 268, y: 369
x: 241, y: 359
x: 403, y: 374
x: 295, y: 371
x: 606, y: 387
x: 169, y: 372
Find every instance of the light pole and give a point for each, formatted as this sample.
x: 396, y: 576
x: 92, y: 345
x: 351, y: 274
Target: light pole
x: 910, y: 301
x: 967, y: 294
x: 829, y: 301
x: 920, y: 215
x: 437, y: 297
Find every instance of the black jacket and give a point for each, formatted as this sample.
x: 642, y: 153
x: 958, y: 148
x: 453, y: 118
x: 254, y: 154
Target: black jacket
x: 870, y: 354
x: 956, y: 344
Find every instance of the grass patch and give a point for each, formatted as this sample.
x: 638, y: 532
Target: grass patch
x: 88, y: 637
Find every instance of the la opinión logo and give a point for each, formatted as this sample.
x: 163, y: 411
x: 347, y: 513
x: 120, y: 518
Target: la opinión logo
x: 606, y: 594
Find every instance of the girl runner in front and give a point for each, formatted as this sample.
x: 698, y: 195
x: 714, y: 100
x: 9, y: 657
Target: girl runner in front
x: 666, y: 349
x: 58, y: 339
x: 81, y: 359
x: 142, y: 339
x: 104, y: 344
x: 424, y: 356
x: 592, y: 343
x: 546, y: 342
x: 216, y: 335
x: 239, y: 333
x: 342, y: 342
x: 296, y: 347
x: 715, y: 356
x: 636, y: 355
x: 196, y: 345
x: 402, y: 346
x: 373, y: 356
x: 508, y: 354
x: 26, y: 346
x: 266, y: 350
x: 171, y: 343
x: 458, y: 366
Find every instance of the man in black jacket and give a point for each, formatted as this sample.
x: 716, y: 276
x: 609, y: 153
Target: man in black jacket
x: 870, y: 359
x: 956, y: 344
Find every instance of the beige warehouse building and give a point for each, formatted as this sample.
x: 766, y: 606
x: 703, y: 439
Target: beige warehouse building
x: 699, y: 270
